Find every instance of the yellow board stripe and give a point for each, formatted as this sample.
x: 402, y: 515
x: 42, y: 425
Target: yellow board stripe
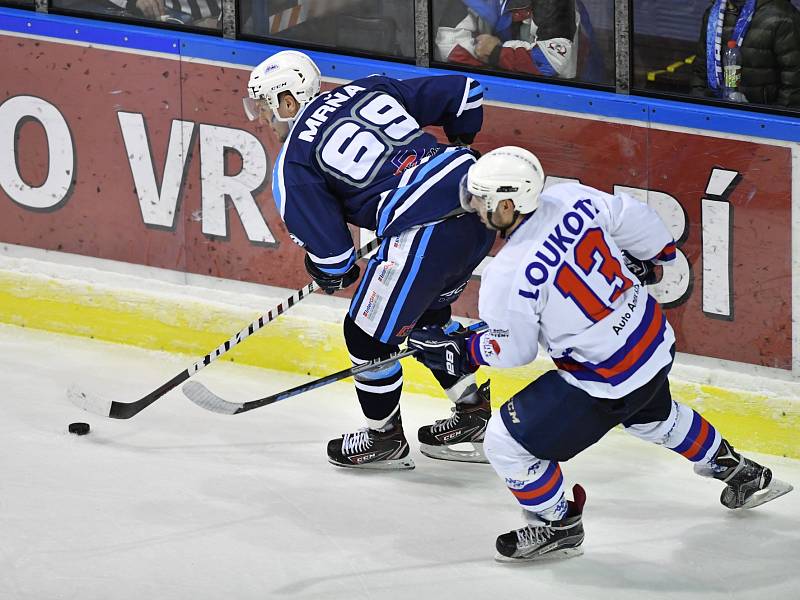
x: 749, y: 420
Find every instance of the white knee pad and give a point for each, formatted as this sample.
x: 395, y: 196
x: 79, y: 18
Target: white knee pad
x: 660, y: 432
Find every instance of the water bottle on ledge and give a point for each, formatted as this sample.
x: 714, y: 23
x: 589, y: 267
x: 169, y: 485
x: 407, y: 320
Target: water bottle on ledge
x: 732, y: 73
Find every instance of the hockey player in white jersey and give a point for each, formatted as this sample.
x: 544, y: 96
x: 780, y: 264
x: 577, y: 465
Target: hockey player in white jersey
x: 571, y: 277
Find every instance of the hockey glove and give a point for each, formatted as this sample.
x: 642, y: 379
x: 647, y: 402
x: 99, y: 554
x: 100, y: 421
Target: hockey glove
x: 442, y: 352
x: 330, y: 283
x: 461, y: 139
x: 644, y: 270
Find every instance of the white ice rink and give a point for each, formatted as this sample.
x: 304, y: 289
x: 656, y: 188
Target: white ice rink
x: 179, y: 503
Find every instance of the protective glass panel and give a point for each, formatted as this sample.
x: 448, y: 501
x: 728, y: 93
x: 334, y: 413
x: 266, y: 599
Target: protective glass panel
x: 381, y: 27
x: 200, y: 14
x: 564, y: 39
x: 680, y: 52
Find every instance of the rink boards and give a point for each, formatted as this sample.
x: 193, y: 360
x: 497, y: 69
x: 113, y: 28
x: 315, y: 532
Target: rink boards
x: 129, y: 145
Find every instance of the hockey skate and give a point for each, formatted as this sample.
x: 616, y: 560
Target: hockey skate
x: 551, y: 539
x: 467, y: 425
x: 747, y: 484
x: 372, y: 449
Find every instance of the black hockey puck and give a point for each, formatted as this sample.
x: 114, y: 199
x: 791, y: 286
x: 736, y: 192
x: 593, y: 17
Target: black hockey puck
x: 79, y: 428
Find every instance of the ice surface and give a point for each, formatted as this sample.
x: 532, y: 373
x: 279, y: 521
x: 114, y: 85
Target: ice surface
x: 179, y: 503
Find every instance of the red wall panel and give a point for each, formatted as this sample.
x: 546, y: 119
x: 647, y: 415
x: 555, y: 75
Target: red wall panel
x: 102, y: 216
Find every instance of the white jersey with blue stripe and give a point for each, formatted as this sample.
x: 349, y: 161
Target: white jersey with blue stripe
x: 358, y: 155
x: 561, y: 280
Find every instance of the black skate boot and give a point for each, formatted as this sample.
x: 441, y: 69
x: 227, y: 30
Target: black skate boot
x: 551, y: 539
x: 748, y: 484
x: 372, y: 449
x: 466, y: 424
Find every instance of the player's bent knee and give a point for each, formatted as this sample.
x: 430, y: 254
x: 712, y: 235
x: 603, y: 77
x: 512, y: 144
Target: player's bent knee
x: 361, y: 345
x: 657, y: 432
x: 435, y: 316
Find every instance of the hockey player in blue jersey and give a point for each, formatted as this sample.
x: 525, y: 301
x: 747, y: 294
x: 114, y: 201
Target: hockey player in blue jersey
x: 564, y: 281
x: 358, y: 155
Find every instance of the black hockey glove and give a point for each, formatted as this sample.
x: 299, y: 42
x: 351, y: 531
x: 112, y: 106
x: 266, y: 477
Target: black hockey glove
x: 442, y: 352
x: 644, y: 270
x: 461, y: 139
x: 330, y: 283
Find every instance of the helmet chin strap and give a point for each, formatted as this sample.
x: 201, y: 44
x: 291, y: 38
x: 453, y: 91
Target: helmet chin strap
x: 280, y: 119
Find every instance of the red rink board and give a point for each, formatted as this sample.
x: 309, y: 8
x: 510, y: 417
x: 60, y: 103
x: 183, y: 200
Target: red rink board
x: 101, y: 216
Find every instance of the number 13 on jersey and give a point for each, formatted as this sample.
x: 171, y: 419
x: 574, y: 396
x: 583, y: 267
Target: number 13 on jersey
x: 590, y: 253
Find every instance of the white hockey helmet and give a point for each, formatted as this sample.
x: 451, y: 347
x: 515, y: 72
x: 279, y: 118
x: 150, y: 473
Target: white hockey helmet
x: 287, y: 71
x: 508, y: 172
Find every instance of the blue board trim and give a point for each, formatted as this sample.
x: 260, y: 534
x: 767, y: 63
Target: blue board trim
x: 89, y: 31
x: 527, y: 93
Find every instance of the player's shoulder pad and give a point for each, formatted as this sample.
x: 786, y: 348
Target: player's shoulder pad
x: 372, y: 81
x: 562, y: 190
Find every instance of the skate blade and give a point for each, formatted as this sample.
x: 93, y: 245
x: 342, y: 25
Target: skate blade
x: 555, y: 555
x: 398, y: 464
x: 476, y: 455
x: 775, y: 489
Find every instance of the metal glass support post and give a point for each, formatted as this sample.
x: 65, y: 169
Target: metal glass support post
x: 422, y: 38
x: 622, y: 45
x: 229, y: 18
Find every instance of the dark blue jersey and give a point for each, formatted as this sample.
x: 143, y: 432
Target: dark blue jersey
x: 358, y: 155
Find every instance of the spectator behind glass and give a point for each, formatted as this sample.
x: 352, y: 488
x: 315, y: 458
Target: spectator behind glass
x: 539, y: 37
x: 287, y: 14
x: 197, y: 13
x: 375, y: 26
x: 768, y: 33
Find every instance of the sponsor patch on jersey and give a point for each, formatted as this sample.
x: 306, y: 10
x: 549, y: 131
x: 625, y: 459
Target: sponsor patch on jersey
x: 373, y: 307
x: 402, y: 241
x: 405, y: 330
x: 388, y: 273
x: 403, y: 160
x: 489, y: 347
x: 626, y: 316
x: 431, y: 152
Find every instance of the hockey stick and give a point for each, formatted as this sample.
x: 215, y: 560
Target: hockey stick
x: 125, y: 410
x: 205, y: 398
